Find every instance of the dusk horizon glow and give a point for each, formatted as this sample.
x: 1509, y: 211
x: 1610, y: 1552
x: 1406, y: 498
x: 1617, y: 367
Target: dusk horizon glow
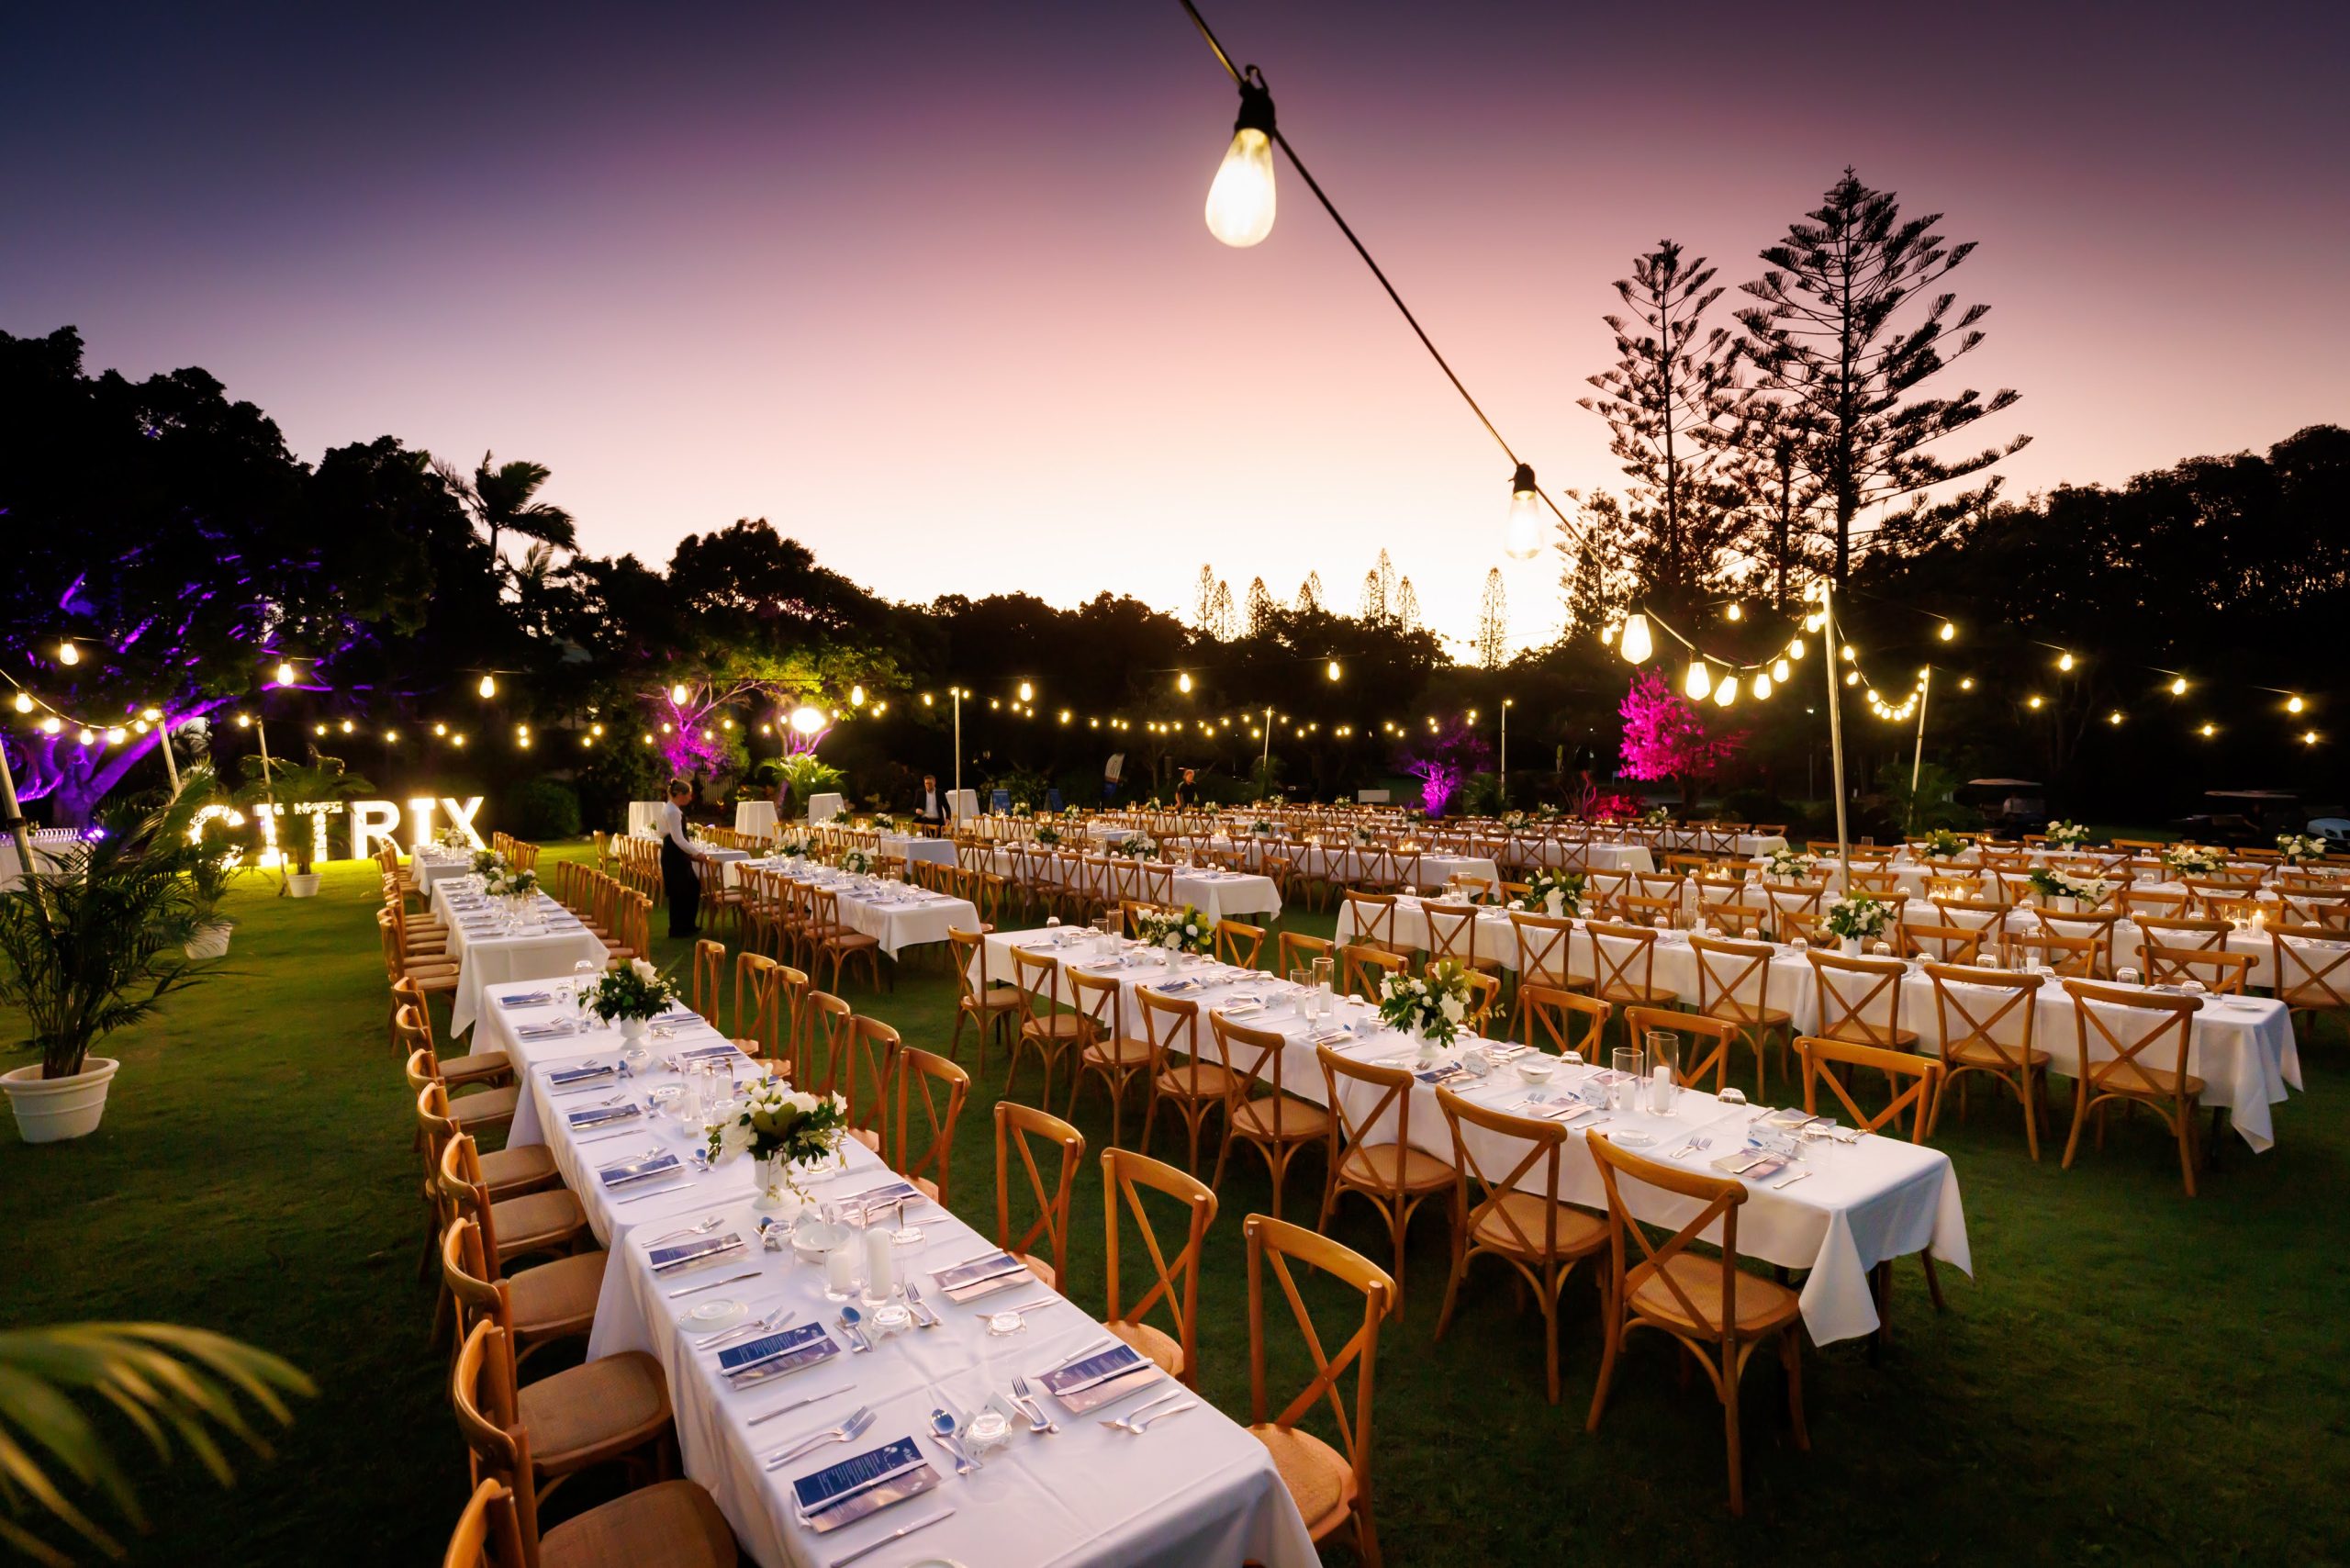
x: 932, y: 293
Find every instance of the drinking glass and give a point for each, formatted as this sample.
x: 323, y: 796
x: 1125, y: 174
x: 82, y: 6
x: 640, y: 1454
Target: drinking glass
x: 1623, y: 1094
x: 2125, y: 976
x: 1322, y: 978
x: 1665, y: 1058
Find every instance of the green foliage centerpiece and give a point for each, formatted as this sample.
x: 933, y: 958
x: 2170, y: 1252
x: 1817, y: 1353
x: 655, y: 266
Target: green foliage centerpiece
x: 632, y: 995
x: 786, y: 1130
x: 1184, y: 930
x: 1431, y: 1008
x: 1557, y: 894
x: 2190, y: 860
x: 1857, y: 918
x: 2300, y: 848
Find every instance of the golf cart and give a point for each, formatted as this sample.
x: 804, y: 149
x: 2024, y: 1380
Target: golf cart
x: 2010, y: 807
x: 2241, y: 818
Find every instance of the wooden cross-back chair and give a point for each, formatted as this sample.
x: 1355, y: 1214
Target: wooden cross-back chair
x: 1298, y: 950
x: 1367, y: 920
x: 1938, y: 944
x: 1718, y: 1312
x: 1562, y: 1021
x: 1127, y: 1175
x: 1734, y: 988
x: 1859, y: 1001
x: 1187, y: 1077
x: 1016, y: 1128
x: 2096, y: 926
x: 2220, y: 972
x: 1366, y: 970
x: 1499, y: 1212
x: 1370, y: 1150
x: 1543, y: 957
x: 1985, y: 1020
x: 864, y: 1074
x: 1276, y: 1123
x: 1237, y: 944
x: 2146, y: 1064
x: 937, y: 1088
x: 979, y: 998
x: 2312, y: 971
x: 544, y: 1305
x: 1334, y: 1481
x: 830, y: 1022
x: 1045, y: 1026
x: 1924, y: 1075
x: 1110, y: 1050
x: 1696, y: 1060
x: 1623, y: 966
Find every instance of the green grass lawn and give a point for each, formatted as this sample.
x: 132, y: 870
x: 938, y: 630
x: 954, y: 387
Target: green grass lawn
x: 2130, y: 1377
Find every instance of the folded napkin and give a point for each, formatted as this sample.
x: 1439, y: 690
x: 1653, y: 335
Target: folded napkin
x: 526, y: 999
x: 581, y: 1073
x: 643, y: 1170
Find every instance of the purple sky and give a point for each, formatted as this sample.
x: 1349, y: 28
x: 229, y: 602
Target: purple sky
x: 928, y: 285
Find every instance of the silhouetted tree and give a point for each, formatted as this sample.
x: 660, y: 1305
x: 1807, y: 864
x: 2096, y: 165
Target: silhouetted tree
x: 1492, y: 621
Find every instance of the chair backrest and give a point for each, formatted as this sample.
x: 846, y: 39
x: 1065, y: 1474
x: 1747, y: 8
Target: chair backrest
x: 2097, y: 925
x: 1940, y: 943
x: 1250, y: 1055
x: 1367, y: 969
x: 1237, y: 944
x: 1542, y: 955
x: 1486, y: 1183
x: 2303, y: 906
x: 2222, y: 973
x: 1272, y: 1244
x: 2072, y: 955
x: 2173, y: 932
x: 1036, y: 980
x: 1452, y: 931
x: 2140, y: 1028
x: 2312, y: 966
x: 2140, y: 901
x: 870, y: 1074
x: 937, y: 1087
x: 1015, y: 1127
x: 1709, y: 1053
x: 1859, y: 999
x: 1565, y: 1020
x: 1925, y: 1075
x: 1621, y: 955
x: 1298, y: 950
x: 1369, y: 917
x: 710, y: 971
x: 485, y: 1393
x: 1364, y: 1117
x: 831, y: 1024
x: 488, y: 1533
x: 1719, y: 1198
x: 755, y: 995
x: 1985, y: 1007
x: 1125, y: 1174
x: 1733, y: 978
x: 1171, y: 1024
x: 470, y: 1274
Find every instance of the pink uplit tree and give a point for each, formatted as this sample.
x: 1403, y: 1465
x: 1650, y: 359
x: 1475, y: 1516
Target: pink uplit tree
x: 1666, y: 738
x: 1440, y: 762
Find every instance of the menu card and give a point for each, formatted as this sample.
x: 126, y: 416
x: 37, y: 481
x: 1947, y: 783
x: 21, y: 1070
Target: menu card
x: 596, y: 1115
x: 584, y: 1072
x: 981, y: 1276
x: 643, y: 1170
x: 775, y: 1354
x: 891, y: 1473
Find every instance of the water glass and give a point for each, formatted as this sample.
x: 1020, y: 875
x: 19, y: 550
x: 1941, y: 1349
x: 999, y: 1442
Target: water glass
x: 1623, y: 1094
x: 2125, y: 976
x: 1322, y: 978
x: 1664, y: 1069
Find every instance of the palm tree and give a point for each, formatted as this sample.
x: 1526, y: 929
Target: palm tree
x: 499, y: 496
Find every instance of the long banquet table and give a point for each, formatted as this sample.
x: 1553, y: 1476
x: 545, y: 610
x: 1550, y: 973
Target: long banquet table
x: 489, y: 953
x: 1198, y: 1489
x: 2242, y: 1047
x: 1879, y: 1198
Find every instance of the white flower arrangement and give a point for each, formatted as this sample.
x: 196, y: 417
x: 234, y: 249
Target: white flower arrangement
x: 776, y: 1121
x: 1047, y: 835
x: 1788, y: 863
x: 2054, y: 884
x: 1363, y: 836
x: 1184, y: 930
x: 1943, y: 844
x: 453, y: 838
x: 636, y: 989
x: 1140, y: 846
x: 2300, y: 848
x: 1513, y: 821
x: 486, y: 862
x: 2190, y: 860
x: 857, y: 862
x: 791, y: 847
x: 1433, y: 1007
x: 1021, y: 809
x: 1557, y: 894
x: 1261, y: 828
x: 505, y: 883
x: 1858, y: 915
x: 1071, y: 813
x: 2067, y: 834
x: 1657, y: 816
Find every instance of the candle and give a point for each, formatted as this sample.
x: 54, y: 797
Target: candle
x: 840, y: 1269
x: 878, y: 1264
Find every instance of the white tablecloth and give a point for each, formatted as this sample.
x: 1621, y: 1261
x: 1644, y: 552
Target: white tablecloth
x: 487, y: 955
x: 901, y: 916
x: 1205, y: 1492
x: 1879, y: 1198
x: 823, y: 808
x: 2242, y: 1047
x: 645, y: 819
x: 938, y: 851
x: 755, y: 817
x: 429, y: 870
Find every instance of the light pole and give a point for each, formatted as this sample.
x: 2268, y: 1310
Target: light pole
x: 1504, y: 795
x: 955, y: 692
x: 1917, y: 759
x: 1265, y: 762
x: 1829, y: 656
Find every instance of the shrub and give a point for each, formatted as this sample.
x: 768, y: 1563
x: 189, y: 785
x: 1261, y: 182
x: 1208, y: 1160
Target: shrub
x: 545, y: 808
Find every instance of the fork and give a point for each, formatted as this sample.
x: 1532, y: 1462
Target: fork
x: 1148, y: 1422
x: 1126, y: 1423
x: 1042, y: 1421
x: 848, y: 1431
x: 703, y: 1228
x: 772, y: 1321
x: 1694, y: 1146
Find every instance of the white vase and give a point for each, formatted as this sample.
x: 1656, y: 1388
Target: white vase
x: 302, y: 884
x: 211, y: 939
x: 52, y: 1110
x: 1849, y: 945
x: 778, y: 1190
x: 633, y: 1030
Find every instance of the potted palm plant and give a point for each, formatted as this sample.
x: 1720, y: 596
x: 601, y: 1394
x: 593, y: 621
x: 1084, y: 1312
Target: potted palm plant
x: 290, y: 785
x: 87, y: 946
x: 217, y: 861
x: 808, y: 776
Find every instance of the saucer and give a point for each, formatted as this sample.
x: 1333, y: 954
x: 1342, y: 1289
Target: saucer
x: 710, y: 1315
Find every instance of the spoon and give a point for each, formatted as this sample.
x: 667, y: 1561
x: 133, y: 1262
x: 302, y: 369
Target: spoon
x: 850, y: 1319
x: 944, y: 1426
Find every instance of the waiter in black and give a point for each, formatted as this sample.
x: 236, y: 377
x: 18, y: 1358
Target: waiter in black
x: 1187, y: 792
x: 930, y: 810
x: 678, y: 879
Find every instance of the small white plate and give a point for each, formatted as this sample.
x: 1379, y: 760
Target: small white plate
x: 1632, y: 1139
x: 711, y: 1316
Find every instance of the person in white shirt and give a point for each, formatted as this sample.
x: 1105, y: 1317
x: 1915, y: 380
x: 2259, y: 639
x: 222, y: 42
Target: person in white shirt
x: 932, y: 809
x: 679, y: 880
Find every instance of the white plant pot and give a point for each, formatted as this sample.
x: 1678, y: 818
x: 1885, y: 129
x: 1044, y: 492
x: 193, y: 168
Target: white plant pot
x: 1849, y: 947
x: 302, y: 884
x: 52, y: 1110
x: 211, y: 939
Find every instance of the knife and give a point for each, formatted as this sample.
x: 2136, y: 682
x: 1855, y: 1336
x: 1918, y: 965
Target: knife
x: 730, y: 1280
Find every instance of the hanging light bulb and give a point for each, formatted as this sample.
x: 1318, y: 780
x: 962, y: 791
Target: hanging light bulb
x: 285, y: 673
x: 2033, y: 701
x: 1762, y: 684
x: 1183, y: 682
x: 245, y: 721
x: 2178, y: 686
x: 1795, y: 647
x: 1727, y: 692
x: 1779, y: 669
x: 1331, y: 669
x: 857, y: 696
x: 1240, y: 201
x: 1948, y: 631
x: 2294, y: 704
x: 1852, y: 678
x: 2114, y: 717
x: 806, y: 719
x: 51, y: 724
x: 67, y: 654
x: 2208, y: 731
x: 488, y: 687
x: 2064, y: 661
x: 1027, y: 692
x: 24, y: 702
x: 1698, y: 682
x: 1522, y: 536
x: 1966, y: 684
x: 677, y: 695
x: 1634, y: 644
x: 88, y: 738
x: 1735, y: 612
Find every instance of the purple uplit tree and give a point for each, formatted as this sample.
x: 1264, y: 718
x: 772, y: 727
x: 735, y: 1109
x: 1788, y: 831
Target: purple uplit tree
x: 1442, y: 761
x: 1665, y: 736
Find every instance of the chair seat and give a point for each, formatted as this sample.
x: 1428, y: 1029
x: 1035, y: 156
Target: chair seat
x: 1317, y: 1477
x: 556, y: 1297
x: 536, y: 1221
x: 1763, y: 1304
x: 432, y: 981
x: 478, y: 1068
x: 486, y: 1109
x: 1626, y: 994
x: 1197, y: 1081
x: 998, y: 998
x: 1120, y: 1052
x: 1038, y: 1267
x: 849, y: 941
x: 1279, y: 1118
x: 926, y: 1187
x: 869, y: 1138
x: 1764, y: 1017
x: 675, y: 1523
x: 2146, y: 1082
x: 595, y: 1411
x: 1975, y: 1053
x: 1162, y: 1349
x: 507, y: 1172
x: 1579, y: 1234
x: 1060, y: 1027
x: 1392, y: 1168
x: 1898, y: 1040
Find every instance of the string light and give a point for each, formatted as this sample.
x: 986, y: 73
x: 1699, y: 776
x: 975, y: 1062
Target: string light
x: 2294, y: 704
x: 24, y: 702
x: 2114, y: 717
x: 2064, y: 661
x: 67, y: 654
x: 1735, y: 612
x: 285, y: 673
x: 2033, y: 701
x: 677, y: 695
x: 1636, y: 643
x: 2178, y: 686
x: 2309, y: 737
x: 1695, y: 684
x: 1948, y: 632
x: 1183, y: 682
x: 2208, y: 731
x: 488, y: 687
